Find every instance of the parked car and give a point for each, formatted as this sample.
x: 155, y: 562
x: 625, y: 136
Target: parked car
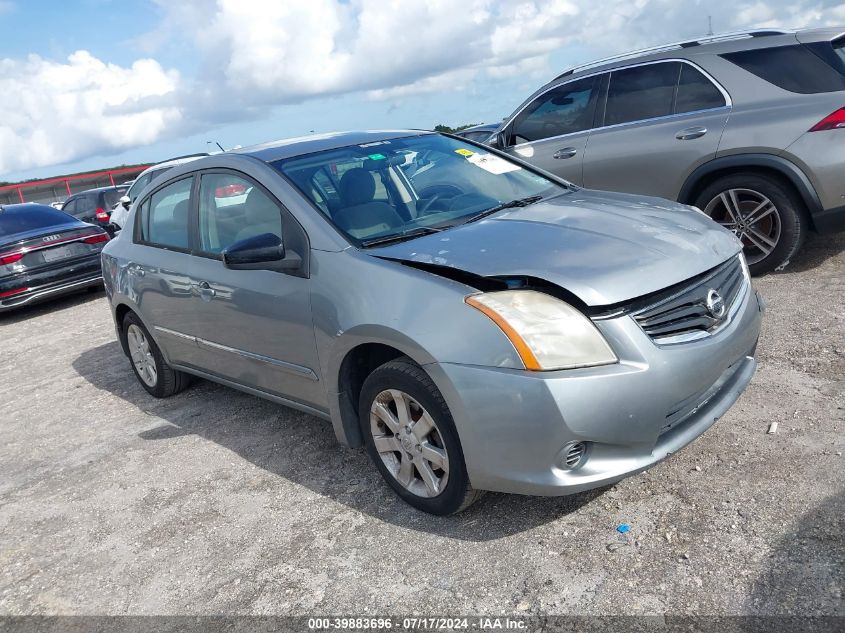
x: 519, y: 334
x: 94, y: 205
x: 480, y: 133
x: 120, y: 209
x: 750, y: 127
x: 44, y: 253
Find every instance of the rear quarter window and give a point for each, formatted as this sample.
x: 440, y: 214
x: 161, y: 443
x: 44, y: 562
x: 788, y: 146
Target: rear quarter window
x: 794, y: 68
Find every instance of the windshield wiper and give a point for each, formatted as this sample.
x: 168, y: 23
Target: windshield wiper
x: 519, y: 202
x: 400, y: 237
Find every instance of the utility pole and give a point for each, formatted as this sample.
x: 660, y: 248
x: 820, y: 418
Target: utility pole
x: 710, y: 25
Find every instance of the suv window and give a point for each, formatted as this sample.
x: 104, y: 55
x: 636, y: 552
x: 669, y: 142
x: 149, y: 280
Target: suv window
x: 164, y: 215
x: 642, y: 92
x: 794, y: 68
x: 232, y: 209
x: 566, y: 109
x: 696, y: 92
x: 69, y: 206
x: 138, y: 186
x: 112, y: 196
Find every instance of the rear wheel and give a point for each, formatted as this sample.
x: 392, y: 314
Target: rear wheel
x: 411, y: 438
x: 150, y: 368
x: 763, y: 213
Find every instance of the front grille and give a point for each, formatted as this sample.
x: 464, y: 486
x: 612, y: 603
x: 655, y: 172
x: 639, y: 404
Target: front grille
x: 693, y: 311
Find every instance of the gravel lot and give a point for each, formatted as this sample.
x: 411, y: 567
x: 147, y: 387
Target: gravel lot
x: 112, y: 502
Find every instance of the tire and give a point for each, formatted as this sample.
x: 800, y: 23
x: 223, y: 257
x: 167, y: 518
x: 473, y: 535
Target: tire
x: 781, y: 232
x: 385, y: 389
x: 166, y: 381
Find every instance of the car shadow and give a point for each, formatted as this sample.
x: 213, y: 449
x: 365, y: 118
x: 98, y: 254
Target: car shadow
x: 24, y: 313
x: 816, y: 250
x: 303, y: 449
x: 805, y: 571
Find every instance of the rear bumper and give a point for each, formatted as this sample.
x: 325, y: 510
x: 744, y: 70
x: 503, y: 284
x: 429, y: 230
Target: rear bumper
x: 51, y: 290
x: 515, y: 425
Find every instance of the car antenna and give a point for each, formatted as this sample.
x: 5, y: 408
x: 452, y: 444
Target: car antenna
x: 217, y: 144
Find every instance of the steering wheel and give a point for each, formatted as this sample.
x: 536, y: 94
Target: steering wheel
x: 433, y: 193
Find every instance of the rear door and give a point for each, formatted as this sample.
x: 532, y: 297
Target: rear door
x: 159, y: 267
x: 659, y: 121
x: 253, y: 326
x: 551, y: 131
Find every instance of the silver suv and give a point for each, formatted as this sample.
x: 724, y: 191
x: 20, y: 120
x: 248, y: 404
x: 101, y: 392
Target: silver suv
x: 749, y: 127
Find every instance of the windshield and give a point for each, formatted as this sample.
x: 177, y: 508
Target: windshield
x: 410, y: 185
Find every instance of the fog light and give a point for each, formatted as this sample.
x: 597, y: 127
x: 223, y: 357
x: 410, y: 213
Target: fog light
x: 573, y: 455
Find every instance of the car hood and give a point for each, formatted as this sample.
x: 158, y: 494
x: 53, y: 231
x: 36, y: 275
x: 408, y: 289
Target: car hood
x: 605, y: 248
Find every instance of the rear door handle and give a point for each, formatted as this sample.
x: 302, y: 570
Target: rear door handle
x: 691, y: 133
x: 205, y: 290
x: 566, y: 152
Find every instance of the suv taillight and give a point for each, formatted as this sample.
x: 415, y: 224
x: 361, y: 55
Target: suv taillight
x: 833, y: 121
x: 102, y: 214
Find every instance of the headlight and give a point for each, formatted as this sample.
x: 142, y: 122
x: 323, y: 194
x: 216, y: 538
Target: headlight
x: 546, y: 332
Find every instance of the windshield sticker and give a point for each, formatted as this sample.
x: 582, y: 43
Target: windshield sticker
x: 376, y: 156
x: 464, y: 152
x: 492, y: 163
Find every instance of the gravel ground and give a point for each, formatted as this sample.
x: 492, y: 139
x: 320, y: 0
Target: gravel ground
x: 113, y: 502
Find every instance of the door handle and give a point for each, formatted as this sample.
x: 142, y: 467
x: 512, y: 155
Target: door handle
x: 205, y: 290
x: 691, y: 133
x: 566, y: 152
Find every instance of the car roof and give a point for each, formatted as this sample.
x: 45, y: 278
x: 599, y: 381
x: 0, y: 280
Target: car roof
x: 25, y: 206
x: 297, y: 146
x: 97, y: 190
x: 711, y: 44
x: 173, y: 162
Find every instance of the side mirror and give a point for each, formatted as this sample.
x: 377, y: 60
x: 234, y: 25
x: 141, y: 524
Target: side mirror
x: 125, y: 201
x: 500, y: 141
x: 260, y: 252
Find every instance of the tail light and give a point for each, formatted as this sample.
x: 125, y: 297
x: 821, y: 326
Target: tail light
x: 96, y: 239
x: 11, y: 258
x: 833, y: 121
x: 9, y: 293
x: 102, y: 214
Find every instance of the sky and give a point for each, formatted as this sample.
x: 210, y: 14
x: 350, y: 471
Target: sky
x: 87, y: 84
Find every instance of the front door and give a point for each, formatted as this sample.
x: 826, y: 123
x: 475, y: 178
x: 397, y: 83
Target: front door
x: 661, y: 121
x: 551, y: 132
x: 253, y: 327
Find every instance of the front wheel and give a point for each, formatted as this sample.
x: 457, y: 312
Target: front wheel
x: 411, y: 438
x: 763, y: 213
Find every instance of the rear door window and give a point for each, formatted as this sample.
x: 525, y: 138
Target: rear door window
x: 696, y: 92
x: 794, y: 68
x: 164, y: 216
x: 566, y: 109
x: 113, y: 196
x: 641, y: 92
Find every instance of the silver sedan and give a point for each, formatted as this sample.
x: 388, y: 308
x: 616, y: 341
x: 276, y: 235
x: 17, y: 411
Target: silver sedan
x: 474, y: 322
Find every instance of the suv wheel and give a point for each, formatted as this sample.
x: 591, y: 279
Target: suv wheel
x: 763, y: 213
x: 150, y: 368
x: 410, y: 436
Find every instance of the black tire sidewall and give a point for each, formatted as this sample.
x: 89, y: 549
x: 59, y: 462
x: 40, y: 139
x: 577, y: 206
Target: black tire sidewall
x: 393, y: 376
x: 789, y: 208
x: 161, y: 367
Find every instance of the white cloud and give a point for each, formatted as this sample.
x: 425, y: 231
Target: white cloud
x: 53, y: 112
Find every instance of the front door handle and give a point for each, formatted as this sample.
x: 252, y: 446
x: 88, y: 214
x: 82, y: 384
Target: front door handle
x: 205, y: 290
x: 566, y: 152
x: 691, y: 133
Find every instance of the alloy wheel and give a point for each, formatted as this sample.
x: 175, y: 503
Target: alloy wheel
x: 752, y: 217
x: 141, y: 354
x: 409, y: 443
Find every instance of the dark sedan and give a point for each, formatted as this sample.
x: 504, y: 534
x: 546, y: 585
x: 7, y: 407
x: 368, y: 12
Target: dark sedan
x: 45, y: 252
